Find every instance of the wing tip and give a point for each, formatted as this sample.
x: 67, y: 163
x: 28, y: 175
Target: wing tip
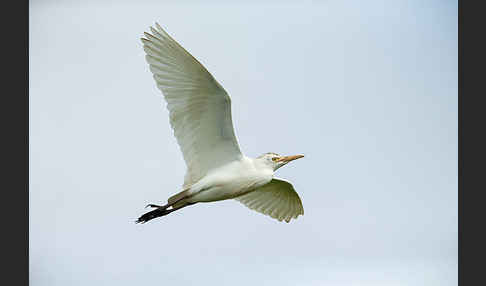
x: 159, y: 27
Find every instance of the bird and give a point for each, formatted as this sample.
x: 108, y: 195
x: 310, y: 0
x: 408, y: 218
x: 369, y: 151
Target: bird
x: 200, y: 116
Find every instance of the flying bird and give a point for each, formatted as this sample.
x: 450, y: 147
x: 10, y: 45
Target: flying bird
x: 200, y: 115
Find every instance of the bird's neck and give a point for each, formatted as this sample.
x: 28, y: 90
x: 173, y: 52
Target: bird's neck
x: 262, y: 166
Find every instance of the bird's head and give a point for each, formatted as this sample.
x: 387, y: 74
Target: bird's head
x: 276, y: 161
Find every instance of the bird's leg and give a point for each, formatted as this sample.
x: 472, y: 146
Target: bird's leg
x: 166, y: 211
x: 157, y: 206
x: 159, y: 212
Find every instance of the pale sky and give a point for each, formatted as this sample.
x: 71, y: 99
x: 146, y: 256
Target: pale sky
x: 367, y: 90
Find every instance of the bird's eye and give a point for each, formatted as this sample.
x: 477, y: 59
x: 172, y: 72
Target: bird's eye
x: 274, y: 159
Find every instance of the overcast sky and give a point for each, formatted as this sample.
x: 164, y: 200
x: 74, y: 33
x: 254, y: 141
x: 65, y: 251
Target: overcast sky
x: 367, y: 90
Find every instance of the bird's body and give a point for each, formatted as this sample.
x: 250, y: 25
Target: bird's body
x: 200, y: 114
x: 231, y: 180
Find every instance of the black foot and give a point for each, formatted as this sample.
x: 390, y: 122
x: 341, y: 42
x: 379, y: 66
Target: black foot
x: 153, y: 214
x: 159, y: 211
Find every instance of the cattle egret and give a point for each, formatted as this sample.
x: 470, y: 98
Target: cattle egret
x: 200, y: 114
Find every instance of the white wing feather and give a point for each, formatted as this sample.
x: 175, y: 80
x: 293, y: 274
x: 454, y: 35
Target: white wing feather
x: 199, y: 107
x: 277, y: 199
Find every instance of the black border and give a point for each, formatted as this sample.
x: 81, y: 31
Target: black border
x: 14, y: 209
x: 471, y: 143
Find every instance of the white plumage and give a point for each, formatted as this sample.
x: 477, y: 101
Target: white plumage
x: 200, y: 114
x: 277, y: 199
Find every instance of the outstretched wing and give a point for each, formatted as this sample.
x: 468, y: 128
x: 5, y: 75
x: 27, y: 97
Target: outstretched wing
x: 199, y: 107
x: 277, y: 199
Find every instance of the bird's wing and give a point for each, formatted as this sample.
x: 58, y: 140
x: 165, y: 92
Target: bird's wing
x: 277, y: 199
x: 199, y: 107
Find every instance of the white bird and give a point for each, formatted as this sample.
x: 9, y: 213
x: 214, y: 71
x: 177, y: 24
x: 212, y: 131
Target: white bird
x: 200, y: 114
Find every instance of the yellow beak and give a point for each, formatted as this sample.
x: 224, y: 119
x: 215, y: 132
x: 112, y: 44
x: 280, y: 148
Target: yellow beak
x: 287, y: 159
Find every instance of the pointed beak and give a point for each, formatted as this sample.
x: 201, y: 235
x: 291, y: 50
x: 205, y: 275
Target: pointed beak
x: 287, y: 159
